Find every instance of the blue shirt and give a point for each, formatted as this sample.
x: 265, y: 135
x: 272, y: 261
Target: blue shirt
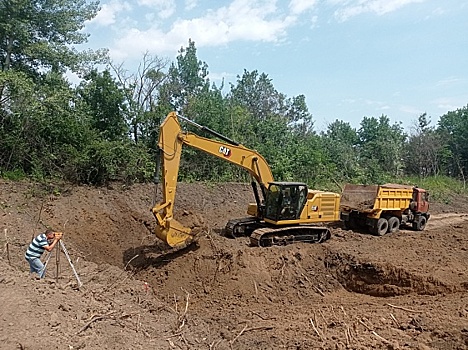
x: 36, y: 248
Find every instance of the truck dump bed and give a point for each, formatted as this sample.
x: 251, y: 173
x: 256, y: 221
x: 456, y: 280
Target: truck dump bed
x: 368, y: 198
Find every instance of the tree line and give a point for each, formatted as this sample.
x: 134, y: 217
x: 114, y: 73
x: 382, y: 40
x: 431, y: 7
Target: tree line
x: 106, y: 127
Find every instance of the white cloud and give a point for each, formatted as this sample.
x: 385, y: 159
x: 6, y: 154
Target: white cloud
x: 446, y: 104
x: 106, y: 16
x: 190, y: 4
x: 351, y: 8
x: 300, y: 6
x: 371, y: 102
x: 411, y: 110
x: 164, y: 8
x: 241, y: 20
x: 448, y: 81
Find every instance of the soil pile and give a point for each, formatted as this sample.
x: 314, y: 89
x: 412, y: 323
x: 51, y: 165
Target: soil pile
x: 407, y: 290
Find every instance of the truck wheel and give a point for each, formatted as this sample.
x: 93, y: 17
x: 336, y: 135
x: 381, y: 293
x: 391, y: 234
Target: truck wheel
x: 393, y: 224
x: 420, y: 225
x: 381, y: 228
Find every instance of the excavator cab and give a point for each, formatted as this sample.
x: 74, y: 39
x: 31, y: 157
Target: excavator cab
x: 285, y: 200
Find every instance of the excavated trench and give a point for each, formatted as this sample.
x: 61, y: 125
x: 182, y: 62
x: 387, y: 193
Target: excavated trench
x: 382, y: 280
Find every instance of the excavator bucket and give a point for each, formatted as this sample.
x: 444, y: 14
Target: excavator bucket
x: 174, y: 234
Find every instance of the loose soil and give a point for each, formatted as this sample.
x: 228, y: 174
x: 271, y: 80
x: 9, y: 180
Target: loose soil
x: 407, y: 290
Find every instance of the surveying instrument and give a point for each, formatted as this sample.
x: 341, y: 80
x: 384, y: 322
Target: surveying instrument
x: 58, y: 247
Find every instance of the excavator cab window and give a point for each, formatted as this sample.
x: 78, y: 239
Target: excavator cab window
x: 285, y: 201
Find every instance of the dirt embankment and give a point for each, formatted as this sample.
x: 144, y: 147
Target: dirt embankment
x: 407, y: 290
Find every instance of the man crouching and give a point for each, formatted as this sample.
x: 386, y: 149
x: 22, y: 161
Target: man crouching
x: 44, y: 241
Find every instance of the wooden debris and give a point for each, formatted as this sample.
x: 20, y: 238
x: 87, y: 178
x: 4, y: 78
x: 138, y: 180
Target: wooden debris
x: 395, y: 320
x: 315, y: 329
x: 403, y: 308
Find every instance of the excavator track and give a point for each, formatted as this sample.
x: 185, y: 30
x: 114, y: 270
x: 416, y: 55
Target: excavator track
x: 268, y: 236
x: 241, y: 227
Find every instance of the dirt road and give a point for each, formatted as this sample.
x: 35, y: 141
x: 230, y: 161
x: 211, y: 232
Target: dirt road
x: 407, y: 290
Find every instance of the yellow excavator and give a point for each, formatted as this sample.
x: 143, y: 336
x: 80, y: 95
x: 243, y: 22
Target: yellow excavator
x: 284, y: 212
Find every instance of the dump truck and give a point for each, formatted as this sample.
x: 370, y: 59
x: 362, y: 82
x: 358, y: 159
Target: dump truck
x: 384, y: 208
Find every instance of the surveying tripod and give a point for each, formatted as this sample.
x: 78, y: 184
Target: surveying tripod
x: 65, y: 251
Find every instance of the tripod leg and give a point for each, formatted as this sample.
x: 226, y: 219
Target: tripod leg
x: 42, y: 274
x: 71, y: 264
x: 57, y: 262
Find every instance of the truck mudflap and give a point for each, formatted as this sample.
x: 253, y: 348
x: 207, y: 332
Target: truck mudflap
x: 270, y: 236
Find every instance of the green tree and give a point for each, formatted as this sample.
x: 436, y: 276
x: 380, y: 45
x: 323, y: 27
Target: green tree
x: 142, y: 95
x: 256, y: 94
x: 36, y: 36
x: 381, y: 147
x: 186, y: 79
x: 298, y: 115
x: 341, y: 144
x: 208, y: 108
x: 45, y: 129
x: 277, y: 126
x: 453, y: 129
x: 424, y: 149
x: 105, y: 104
x: 40, y: 124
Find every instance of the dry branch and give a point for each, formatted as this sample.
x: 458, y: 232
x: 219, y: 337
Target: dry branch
x: 242, y: 331
x: 182, y: 317
x: 362, y: 322
x: 374, y: 332
x: 403, y: 308
x: 342, y: 309
x: 263, y: 318
x: 318, y: 290
x: 395, y: 320
x: 256, y: 290
x: 381, y: 338
x: 94, y: 318
x: 214, y: 344
x: 258, y: 328
x: 315, y: 329
x: 7, y: 246
x: 245, y: 329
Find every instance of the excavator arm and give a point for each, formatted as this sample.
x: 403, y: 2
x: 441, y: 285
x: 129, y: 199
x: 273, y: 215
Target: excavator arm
x: 171, y: 141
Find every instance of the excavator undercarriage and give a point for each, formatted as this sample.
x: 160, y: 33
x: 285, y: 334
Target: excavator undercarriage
x: 263, y: 235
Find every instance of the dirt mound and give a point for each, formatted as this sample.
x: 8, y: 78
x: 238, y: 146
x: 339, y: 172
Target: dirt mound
x: 406, y: 290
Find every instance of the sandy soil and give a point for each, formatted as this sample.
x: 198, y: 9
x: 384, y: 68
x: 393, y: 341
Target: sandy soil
x: 407, y: 290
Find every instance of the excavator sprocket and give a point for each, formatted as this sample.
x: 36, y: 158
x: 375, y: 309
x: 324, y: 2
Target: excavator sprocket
x: 268, y: 236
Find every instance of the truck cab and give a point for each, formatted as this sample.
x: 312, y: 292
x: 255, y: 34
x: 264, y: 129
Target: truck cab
x: 420, y: 202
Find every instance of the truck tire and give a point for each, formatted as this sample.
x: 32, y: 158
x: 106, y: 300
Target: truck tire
x: 381, y: 227
x: 393, y: 224
x: 420, y: 224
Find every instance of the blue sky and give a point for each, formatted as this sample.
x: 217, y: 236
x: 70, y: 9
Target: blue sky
x: 350, y: 58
